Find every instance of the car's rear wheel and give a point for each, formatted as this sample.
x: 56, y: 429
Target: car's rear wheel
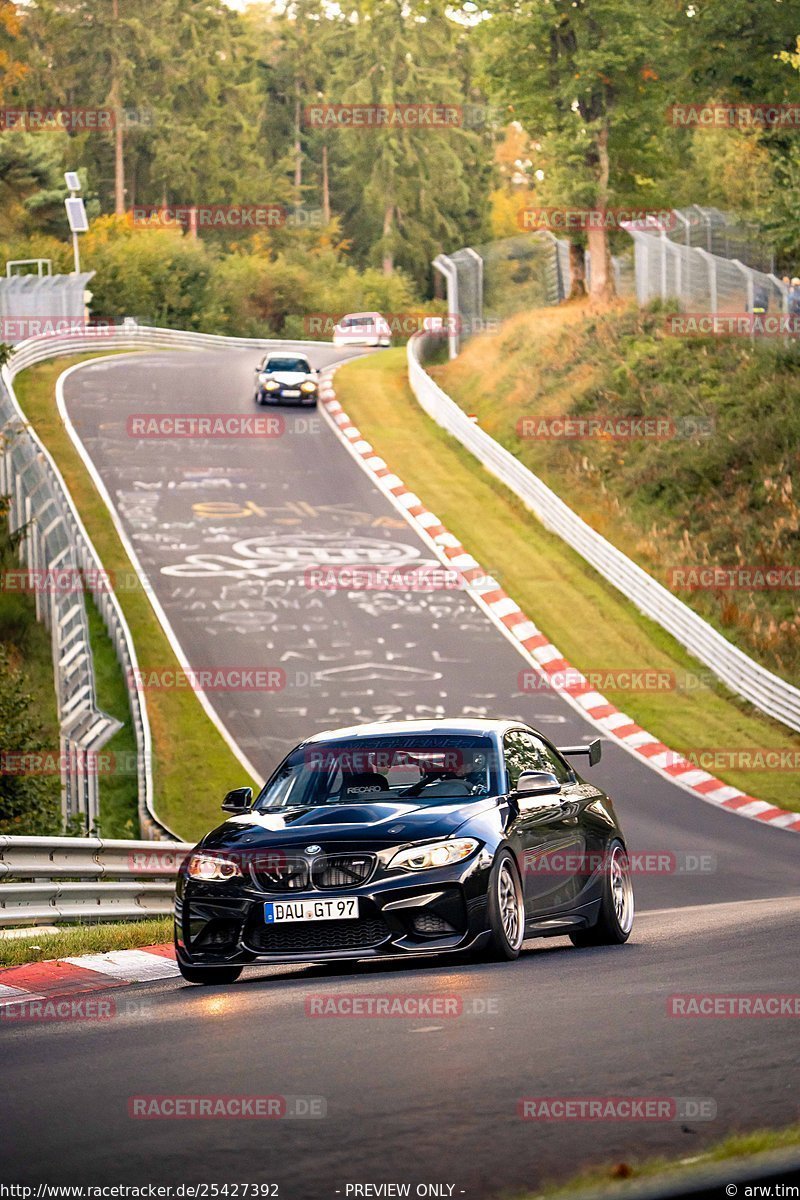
x: 209, y: 974
x: 615, y: 921
x: 506, y: 910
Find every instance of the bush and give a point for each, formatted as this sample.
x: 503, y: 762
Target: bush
x: 29, y: 804
x: 156, y: 275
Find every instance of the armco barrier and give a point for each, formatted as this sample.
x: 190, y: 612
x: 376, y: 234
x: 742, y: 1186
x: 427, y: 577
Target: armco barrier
x: 54, y: 537
x: 47, y: 881
x: 768, y: 692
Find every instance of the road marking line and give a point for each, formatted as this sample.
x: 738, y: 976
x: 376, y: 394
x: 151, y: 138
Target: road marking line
x: 133, y: 966
x: 13, y: 995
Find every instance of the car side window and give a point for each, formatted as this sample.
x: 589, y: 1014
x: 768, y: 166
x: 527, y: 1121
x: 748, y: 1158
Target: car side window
x: 520, y: 755
x: 525, y: 752
x: 550, y: 761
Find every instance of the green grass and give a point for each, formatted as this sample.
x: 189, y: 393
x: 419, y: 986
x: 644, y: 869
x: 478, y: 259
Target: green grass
x: 619, y: 1179
x: 85, y: 939
x: 29, y: 643
x: 594, y: 626
x: 193, y: 767
x: 728, y: 497
x: 28, y: 806
x: 119, y: 815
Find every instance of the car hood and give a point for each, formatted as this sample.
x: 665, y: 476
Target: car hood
x: 379, y: 823
x: 290, y: 378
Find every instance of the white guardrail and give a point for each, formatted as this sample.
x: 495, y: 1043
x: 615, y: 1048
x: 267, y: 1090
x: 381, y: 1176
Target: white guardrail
x: 55, y: 539
x: 768, y: 692
x: 47, y: 881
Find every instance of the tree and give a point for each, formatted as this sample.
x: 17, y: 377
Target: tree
x: 12, y: 71
x: 585, y: 78
x: 181, y: 83
x: 406, y: 189
x: 30, y: 180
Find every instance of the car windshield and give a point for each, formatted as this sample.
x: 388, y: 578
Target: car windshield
x: 420, y: 769
x: 288, y: 364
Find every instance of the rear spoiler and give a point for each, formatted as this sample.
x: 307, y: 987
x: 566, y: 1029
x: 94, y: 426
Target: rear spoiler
x: 593, y: 749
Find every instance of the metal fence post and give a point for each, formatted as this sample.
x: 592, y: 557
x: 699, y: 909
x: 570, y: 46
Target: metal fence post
x: 446, y: 267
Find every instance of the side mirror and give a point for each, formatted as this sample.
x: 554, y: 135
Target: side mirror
x: 537, y: 783
x: 239, y: 800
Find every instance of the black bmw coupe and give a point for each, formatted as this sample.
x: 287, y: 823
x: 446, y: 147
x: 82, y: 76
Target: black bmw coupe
x: 409, y: 838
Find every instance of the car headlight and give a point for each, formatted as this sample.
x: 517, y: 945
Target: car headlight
x: 308, y: 386
x: 209, y: 867
x: 435, y: 854
x: 272, y: 385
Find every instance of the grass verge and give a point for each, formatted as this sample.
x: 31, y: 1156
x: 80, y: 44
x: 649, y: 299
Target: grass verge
x: 29, y: 804
x: 85, y: 939
x: 619, y: 1179
x: 193, y: 767
x: 713, y: 482
x: 119, y: 816
x: 594, y: 626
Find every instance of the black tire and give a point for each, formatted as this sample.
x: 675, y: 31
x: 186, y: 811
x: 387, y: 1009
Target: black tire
x: 617, y: 909
x: 507, y: 923
x: 209, y: 974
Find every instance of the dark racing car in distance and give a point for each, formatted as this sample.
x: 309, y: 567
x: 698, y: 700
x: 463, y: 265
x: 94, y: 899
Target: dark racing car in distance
x: 406, y: 838
x: 286, y: 378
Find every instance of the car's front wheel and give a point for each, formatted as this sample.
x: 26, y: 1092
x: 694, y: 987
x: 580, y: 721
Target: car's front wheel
x: 615, y: 921
x: 209, y: 974
x: 506, y: 910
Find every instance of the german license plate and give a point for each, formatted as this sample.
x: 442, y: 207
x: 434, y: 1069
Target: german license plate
x: 292, y: 392
x: 344, y: 908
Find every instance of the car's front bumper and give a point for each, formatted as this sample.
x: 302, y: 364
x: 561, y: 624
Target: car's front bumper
x: 305, y: 398
x: 427, y: 912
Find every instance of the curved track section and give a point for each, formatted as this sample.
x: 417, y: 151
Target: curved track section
x: 226, y: 532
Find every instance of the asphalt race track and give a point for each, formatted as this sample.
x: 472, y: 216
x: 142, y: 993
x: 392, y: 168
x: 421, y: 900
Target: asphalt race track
x: 225, y: 530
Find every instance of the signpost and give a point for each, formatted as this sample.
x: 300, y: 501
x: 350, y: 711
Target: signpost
x: 76, y: 215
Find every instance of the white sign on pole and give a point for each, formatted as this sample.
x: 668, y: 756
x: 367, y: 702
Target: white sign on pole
x: 76, y: 215
x: 72, y: 181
